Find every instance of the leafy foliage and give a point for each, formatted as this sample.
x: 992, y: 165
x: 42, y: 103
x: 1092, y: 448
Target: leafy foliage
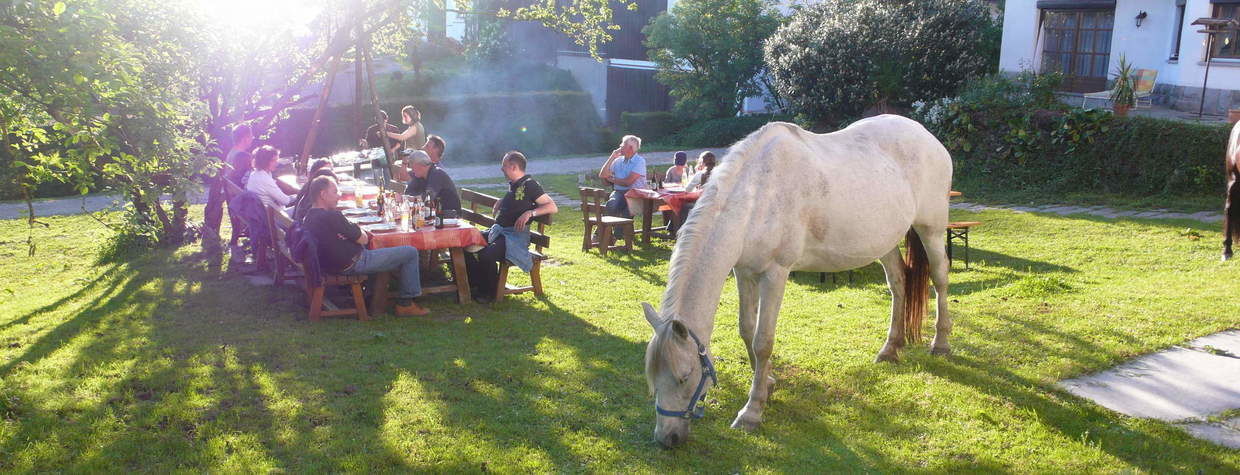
x: 838, y: 58
x: 1123, y: 94
x: 706, y: 55
x: 1003, y: 137
x: 652, y: 126
x: 722, y: 132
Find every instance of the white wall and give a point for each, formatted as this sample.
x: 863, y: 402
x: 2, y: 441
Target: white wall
x: 1146, y: 47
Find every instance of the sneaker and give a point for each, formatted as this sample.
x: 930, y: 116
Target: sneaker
x: 410, y: 310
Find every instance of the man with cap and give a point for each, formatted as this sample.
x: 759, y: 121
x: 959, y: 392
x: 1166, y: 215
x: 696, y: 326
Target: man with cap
x: 425, y: 177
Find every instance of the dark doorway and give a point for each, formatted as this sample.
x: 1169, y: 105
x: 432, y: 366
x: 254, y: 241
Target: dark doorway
x: 1078, y: 44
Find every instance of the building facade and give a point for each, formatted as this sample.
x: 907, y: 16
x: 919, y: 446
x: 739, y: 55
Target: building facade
x: 1085, y: 39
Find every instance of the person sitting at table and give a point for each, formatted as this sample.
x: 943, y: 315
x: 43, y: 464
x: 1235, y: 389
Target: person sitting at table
x: 415, y: 133
x: 434, y: 147
x: 238, y: 159
x: 425, y: 177
x: 509, y: 238
x: 707, y: 163
x: 624, y: 173
x: 372, y: 138
x: 341, y: 247
x: 679, y: 172
x: 270, y: 190
x: 302, y: 203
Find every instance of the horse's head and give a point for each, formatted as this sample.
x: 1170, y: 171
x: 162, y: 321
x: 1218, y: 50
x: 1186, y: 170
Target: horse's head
x: 678, y: 373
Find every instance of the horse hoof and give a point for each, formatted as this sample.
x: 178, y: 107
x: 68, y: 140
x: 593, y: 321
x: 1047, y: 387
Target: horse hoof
x: 944, y: 351
x: 887, y: 358
x: 746, y: 425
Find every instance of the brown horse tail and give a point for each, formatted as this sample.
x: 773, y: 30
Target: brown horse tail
x: 916, y: 286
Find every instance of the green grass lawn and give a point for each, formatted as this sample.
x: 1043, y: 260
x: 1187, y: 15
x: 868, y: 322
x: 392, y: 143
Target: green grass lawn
x: 168, y: 362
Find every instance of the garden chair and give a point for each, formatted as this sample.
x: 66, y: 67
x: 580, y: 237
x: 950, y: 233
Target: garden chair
x: 1143, y: 89
x: 592, y: 208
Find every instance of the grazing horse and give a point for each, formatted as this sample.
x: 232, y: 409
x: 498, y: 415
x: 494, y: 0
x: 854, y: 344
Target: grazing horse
x: 1231, y: 215
x: 786, y: 199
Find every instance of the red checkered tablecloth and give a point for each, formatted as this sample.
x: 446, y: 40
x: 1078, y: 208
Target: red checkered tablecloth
x: 430, y: 238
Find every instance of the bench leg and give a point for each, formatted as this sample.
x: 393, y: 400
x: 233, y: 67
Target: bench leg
x: 360, y: 301
x: 536, y: 278
x: 965, y: 235
x: 628, y: 238
x: 586, y: 240
x: 316, y: 303
x: 501, y: 286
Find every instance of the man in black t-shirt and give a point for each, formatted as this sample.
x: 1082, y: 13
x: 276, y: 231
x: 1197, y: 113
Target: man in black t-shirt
x: 426, y: 177
x: 510, y: 237
x: 341, y: 247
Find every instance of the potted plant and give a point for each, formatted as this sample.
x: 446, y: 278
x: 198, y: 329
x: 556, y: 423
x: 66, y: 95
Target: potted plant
x: 1122, y: 95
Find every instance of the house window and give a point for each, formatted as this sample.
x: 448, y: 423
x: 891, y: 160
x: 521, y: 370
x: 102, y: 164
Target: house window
x: 1179, y: 31
x: 1227, y: 45
x: 1078, y: 44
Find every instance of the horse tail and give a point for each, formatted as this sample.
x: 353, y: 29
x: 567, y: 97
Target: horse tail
x: 916, y: 286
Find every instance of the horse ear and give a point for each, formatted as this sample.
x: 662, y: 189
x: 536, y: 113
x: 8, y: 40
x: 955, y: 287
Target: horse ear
x: 652, y: 315
x: 680, y: 329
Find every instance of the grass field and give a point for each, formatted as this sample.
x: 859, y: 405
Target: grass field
x: 169, y: 363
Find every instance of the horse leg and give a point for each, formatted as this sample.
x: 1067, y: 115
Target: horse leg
x: 893, y: 267
x: 747, y: 288
x: 1229, y: 221
x: 771, y: 294
x: 933, y: 240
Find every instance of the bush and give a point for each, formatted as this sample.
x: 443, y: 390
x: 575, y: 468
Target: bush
x: 477, y: 128
x: 717, y: 38
x: 1000, y: 139
x: 838, y: 58
x: 722, y: 132
x: 651, y: 126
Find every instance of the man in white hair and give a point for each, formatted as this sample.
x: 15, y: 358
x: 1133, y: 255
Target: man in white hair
x: 625, y: 169
x: 425, y: 177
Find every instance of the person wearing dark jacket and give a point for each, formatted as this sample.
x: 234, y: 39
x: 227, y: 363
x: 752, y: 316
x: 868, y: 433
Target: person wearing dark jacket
x: 341, y: 247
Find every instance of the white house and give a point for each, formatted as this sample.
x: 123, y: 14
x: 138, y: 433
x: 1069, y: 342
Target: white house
x: 1085, y: 39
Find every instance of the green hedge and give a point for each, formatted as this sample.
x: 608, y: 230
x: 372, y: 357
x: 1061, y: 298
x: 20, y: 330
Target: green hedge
x: 722, y: 132
x: 1083, y: 150
x: 652, y: 126
x: 477, y: 128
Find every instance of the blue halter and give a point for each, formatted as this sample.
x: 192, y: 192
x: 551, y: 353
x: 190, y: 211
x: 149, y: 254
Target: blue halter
x: 694, y: 411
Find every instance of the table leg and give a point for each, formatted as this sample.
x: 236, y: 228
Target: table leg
x: 378, y: 301
x: 647, y: 220
x: 462, y: 276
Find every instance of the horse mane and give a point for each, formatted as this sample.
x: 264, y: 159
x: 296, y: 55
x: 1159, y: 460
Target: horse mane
x: 693, y: 240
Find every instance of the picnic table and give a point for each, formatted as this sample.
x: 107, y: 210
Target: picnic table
x: 674, y: 197
x: 456, y: 239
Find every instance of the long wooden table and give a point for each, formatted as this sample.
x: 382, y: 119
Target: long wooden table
x: 456, y: 239
x: 651, y: 200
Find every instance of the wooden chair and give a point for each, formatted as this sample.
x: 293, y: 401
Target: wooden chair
x: 592, y: 208
x: 960, y: 230
x: 278, y: 222
x: 538, y: 237
x: 239, y: 229
x: 319, y: 306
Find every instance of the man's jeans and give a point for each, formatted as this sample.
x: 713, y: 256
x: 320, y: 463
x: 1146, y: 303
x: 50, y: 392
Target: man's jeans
x: 404, y: 258
x: 617, y: 205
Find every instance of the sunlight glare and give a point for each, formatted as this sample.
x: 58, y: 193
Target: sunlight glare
x: 292, y: 15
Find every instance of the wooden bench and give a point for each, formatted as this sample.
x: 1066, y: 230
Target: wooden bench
x: 592, y: 209
x: 319, y: 306
x: 471, y: 202
x: 960, y: 230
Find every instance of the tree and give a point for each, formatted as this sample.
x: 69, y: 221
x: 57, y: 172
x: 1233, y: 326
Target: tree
x: 706, y: 55
x: 86, y: 102
x: 838, y: 58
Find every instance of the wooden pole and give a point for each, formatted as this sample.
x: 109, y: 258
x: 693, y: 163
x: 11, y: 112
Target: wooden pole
x: 358, y: 123
x: 374, y: 99
x: 315, y: 123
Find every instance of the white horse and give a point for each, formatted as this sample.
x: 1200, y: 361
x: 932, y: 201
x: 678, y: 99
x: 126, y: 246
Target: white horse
x: 785, y: 199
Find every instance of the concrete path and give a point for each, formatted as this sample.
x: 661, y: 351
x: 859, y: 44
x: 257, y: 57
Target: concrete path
x: 1100, y: 211
x: 559, y: 166
x: 1189, y: 385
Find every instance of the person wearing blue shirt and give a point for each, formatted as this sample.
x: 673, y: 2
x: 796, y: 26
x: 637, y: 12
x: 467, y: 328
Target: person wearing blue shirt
x: 624, y: 169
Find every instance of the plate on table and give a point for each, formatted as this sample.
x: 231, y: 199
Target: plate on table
x: 380, y: 228
x: 372, y: 219
x: 356, y: 212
